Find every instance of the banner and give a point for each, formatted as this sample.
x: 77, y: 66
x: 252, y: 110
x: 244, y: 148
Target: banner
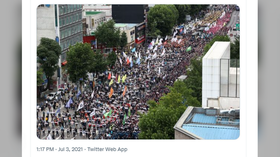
x: 111, y: 92
x: 125, y: 88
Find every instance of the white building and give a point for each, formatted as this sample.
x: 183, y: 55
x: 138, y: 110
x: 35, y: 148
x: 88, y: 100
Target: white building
x: 129, y: 29
x: 93, y: 20
x: 220, y: 82
x: 107, y: 8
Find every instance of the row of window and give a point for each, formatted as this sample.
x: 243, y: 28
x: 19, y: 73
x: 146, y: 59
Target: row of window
x: 69, y: 31
x: 64, y: 9
x: 65, y: 44
x: 70, y: 19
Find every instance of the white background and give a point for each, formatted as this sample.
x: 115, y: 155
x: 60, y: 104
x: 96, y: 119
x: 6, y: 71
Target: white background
x: 245, y: 145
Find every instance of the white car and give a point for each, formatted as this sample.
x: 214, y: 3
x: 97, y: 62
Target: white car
x: 51, y: 96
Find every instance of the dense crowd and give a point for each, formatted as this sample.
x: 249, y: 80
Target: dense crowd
x: 109, y: 109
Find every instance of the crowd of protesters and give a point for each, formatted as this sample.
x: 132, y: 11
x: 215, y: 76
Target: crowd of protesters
x: 110, y: 109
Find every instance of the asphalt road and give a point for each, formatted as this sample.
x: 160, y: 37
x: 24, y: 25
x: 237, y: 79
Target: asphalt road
x: 233, y: 19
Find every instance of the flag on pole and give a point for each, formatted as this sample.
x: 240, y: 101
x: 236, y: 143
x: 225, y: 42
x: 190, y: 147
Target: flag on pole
x: 138, y: 61
x: 124, y: 55
x: 139, y: 55
x: 120, y: 60
x: 119, y: 79
x: 111, y: 92
x: 179, y: 41
x: 111, y: 82
x: 92, y: 113
x: 81, y: 105
x: 148, y: 66
x: 133, y: 50
x: 109, y: 76
x: 123, y: 79
x: 163, y: 52
x: 131, y: 62
x: 125, y: 88
x: 189, y: 48
x: 129, y: 112
x: 136, y: 55
x: 156, y: 42
x: 124, y: 119
x: 79, y: 93
x: 70, y: 101
x: 92, y: 94
x: 127, y: 60
x: 49, y: 137
x: 165, y: 38
x: 154, y: 56
x: 57, y: 111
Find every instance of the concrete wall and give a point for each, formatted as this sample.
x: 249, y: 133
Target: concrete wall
x: 45, y: 23
x: 97, y: 17
x: 179, y: 135
x: 214, y: 72
x: 227, y: 103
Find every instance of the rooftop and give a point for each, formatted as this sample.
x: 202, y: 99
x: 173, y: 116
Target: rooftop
x: 93, y: 12
x: 209, y: 123
x: 217, y: 50
x: 128, y: 25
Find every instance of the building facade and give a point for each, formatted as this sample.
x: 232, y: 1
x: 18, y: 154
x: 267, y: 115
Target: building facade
x: 107, y: 8
x: 93, y: 19
x: 70, y: 27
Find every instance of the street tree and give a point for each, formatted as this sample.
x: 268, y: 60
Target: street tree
x: 161, y: 19
x: 79, y: 58
x: 158, y: 123
x: 48, y: 52
x: 111, y: 59
x: 194, y: 80
x: 182, y: 10
x: 40, y: 77
x: 99, y: 63
x: 107, y: 34
x: 123, y: 40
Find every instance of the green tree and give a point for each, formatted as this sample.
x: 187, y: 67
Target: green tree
x: 123, y: 40
x: 48, y: 54
x: 182, y: 10
x: 194, y: 80
x: 107, y: 34
x: 235, y: 49
x: 158, y: 123
x: 40, y: 77
x: 161, y: 19
x: 99, y: 63
x: 79, y: 58
x: 111, y: 59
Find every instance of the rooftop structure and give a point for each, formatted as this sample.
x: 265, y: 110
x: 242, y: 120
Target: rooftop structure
x: 208, y: 123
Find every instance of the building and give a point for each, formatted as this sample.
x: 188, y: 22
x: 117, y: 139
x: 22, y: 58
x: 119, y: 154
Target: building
x: 70, y: 26
x: 93, y: 19
x: 128, y: 13
x: 220, y: 81
x: 129, y: 29
x: 219, y: 116
x: 107, y: 8
x: 208, y: 123
x: 62, y: 23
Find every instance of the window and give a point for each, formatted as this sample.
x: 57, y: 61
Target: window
x: 75, y: 7
x: 59, y: 22
x: 69, y: 31
x: 69, y: 9
x: 70, y: 19
x: 65, y: 9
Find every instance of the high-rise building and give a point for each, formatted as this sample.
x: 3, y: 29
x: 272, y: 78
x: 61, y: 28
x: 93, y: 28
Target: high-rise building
x: 70, y: 26
x: 62, y: 23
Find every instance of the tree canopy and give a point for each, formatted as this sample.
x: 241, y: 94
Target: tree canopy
x: 48, y: 53
x: 123, y: 40
x: 216, y: 38
x: 161, y: 19
x: 79, y: 58
x: 99, y: 63
x: 111, y: 59
x: 158, y: 123
x: 40, y: 77
x: 107, y: 34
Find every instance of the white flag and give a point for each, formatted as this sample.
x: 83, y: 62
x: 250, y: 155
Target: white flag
x: 120, y: 60
x: 136, y: 55
x: 163, y: 52
x: 179, y: 41
x: 154, y: 56
x: 92, y: 94
x: 92, y: 113
x: 81, y: 105
x: 155, y: 49
x: 139, y: 55
x: 166, y: 38
x: 49, y: 137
